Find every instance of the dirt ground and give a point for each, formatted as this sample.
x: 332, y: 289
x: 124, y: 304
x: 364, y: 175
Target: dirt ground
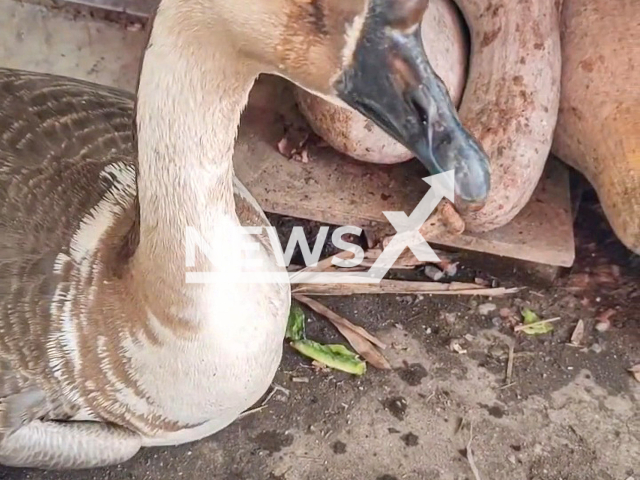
x: 569, y: 413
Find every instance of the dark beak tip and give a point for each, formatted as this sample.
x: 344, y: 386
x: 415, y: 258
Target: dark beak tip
x: 473, y: 195
x: 408, y: 100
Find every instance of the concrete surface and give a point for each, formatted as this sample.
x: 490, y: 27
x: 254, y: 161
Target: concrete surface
x: 569, y: 414
x: 67, y: 43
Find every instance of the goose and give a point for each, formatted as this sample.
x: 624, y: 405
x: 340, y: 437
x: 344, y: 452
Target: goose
x: 105, y: 347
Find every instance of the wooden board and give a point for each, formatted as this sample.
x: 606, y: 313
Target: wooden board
x: 138, y: 8
x: 336, y: 189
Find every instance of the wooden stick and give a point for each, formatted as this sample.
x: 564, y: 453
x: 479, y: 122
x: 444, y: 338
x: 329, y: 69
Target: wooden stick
x: 368, y: 263
x: 401, y: 287
x: 509, y: 366
x: 470, y: 459
x: 251, y: 411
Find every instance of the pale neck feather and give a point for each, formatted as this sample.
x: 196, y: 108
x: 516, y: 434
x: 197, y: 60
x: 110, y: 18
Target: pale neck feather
x: 190, y: 98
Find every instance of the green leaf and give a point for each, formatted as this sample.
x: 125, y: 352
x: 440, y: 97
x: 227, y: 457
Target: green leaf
x: 338, y: 357
x: 295, y: 326
x: 531, y: 318
x: 334, y: 356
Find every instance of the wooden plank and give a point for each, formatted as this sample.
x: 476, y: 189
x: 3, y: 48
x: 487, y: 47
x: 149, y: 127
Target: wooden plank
x: 336, y: 189
x: 35, y: 37
x: 138, y: 8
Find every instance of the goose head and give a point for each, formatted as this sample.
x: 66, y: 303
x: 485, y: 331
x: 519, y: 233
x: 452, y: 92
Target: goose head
x: 366, y: 55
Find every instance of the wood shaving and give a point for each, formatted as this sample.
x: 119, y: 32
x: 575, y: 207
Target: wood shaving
x: 578, y: 334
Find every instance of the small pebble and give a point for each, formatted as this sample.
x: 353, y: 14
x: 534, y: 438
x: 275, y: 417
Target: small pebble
x: 512, y: 458
x: 497, y: 321
x: 450, y: 318
x: 454, y: 346
x: 405, y: 299
x: 498, y: 351
x: 433, y: 273
x: 486, y: 308
x: 603, y: 326
x: 596, y: 348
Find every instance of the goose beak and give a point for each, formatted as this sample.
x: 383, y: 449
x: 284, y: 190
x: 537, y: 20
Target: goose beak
x: 391, y: 82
